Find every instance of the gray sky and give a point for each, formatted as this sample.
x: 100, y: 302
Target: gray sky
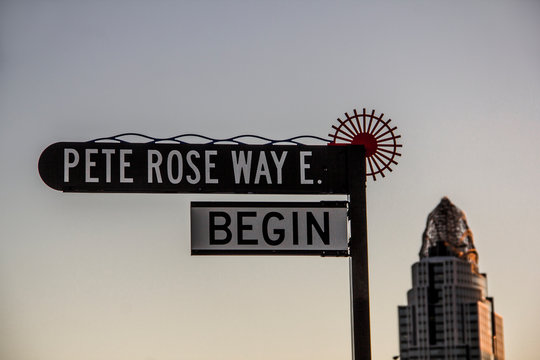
x: 90, y: 276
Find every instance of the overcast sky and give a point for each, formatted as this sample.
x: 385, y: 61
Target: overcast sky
x: 110, y: 276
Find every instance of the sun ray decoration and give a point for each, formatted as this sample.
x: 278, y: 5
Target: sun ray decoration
x: 377, y: 136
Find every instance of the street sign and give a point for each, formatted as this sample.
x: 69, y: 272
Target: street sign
x: 279, y: 228
x: 228, y: 228
x: 194, y: 168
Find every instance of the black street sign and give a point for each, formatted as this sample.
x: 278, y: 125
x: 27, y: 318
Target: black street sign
x: 269, y: 228
x: 194, y: 168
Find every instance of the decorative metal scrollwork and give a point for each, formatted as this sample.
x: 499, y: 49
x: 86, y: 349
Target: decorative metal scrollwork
x: 375, y: 134
x: 201, y: 139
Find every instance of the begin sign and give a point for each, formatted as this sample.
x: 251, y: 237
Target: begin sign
x: 247, y: 228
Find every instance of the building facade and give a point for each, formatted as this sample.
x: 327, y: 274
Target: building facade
x: 449, y: 315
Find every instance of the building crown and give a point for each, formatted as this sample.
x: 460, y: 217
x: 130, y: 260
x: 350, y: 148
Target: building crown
x: 447, y: 234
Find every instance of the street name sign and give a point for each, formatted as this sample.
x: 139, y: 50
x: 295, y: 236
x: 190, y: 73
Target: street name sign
x: 194, y: 168
x: 267, y: 228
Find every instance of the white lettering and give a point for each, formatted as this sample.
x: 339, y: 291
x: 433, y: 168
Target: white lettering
x: 197, y: 177
x: 153, y: 167
x: 89, y: 165
x: 304, y: 167
x: 209, y: 165
x: 123, y: 165
x: 262, y: 169
x: 69, y: 164
x: 241, y: 166
x: 108, y: 153
x: 279, y: 164
x: 178, y: 178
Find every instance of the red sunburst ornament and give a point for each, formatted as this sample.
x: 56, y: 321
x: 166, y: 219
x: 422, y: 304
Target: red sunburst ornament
x: 375, y: 134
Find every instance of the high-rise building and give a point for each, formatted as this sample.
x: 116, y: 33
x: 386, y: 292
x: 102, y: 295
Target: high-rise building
x: 449, y: 315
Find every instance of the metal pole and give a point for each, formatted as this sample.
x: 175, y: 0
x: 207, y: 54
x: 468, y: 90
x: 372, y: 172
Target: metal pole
x: 359, y: 274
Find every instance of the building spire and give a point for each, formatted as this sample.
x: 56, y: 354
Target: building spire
x: 447, y: 234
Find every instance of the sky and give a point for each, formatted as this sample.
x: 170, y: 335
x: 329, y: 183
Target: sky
x: 110, y: 276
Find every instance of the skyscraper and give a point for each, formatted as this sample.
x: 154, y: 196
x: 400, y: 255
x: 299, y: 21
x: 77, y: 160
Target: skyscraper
x: 449, y: 315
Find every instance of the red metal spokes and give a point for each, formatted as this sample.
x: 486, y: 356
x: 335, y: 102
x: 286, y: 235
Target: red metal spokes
x: 375, y: 134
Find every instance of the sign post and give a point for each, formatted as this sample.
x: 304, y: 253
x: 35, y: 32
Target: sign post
x: 359, y: 274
